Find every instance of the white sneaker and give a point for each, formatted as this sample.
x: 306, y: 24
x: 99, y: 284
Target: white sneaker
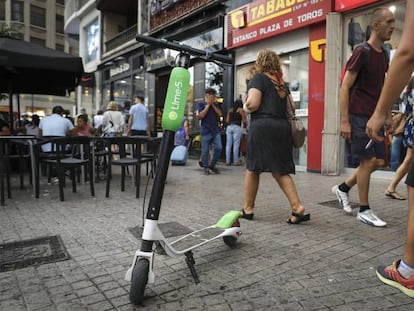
x: 343, y: 199
x: 370, y: 218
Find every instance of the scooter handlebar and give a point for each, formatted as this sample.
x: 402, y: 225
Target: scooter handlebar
x: 162, y: 43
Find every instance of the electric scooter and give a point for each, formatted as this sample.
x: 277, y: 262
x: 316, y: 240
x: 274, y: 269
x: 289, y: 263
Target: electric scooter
x: 227, y: 228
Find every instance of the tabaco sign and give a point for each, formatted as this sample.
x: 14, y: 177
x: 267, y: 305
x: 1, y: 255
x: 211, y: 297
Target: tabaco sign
x: 266, y: 18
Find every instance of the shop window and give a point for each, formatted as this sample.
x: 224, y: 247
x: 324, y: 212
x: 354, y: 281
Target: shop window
x: 295, y: 70
x: 17, y: 11
x: 122, y: 92
x: 106, y: 94
x: 214, y: 78
x: 37, y: 16
x: 138, y: 87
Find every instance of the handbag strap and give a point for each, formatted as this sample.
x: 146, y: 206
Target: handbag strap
x: 290, y: 108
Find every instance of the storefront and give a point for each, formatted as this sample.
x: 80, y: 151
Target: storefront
x: 351, y: 22
x: 296, y: 31
x: 123, y: 77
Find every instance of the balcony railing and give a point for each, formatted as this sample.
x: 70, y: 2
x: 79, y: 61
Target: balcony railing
x: 121, y: 38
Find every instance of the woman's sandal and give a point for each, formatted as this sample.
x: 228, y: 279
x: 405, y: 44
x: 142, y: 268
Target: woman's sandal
x: 394, y: 195
x: 247, y: 216
x: 300, y: 218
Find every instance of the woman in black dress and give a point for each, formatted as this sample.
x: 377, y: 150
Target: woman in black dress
x: 269, y: 143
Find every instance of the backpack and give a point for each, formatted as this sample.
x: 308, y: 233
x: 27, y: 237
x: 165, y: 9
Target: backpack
x: 362, y: 73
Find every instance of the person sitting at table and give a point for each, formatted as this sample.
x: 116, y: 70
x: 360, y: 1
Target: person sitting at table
x: 55, y: 125
x: 32, y: 128
x: 83, y: 128
x: 4, y: 127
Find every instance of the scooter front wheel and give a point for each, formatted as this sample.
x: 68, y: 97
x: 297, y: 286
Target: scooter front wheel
x: 139, y: 281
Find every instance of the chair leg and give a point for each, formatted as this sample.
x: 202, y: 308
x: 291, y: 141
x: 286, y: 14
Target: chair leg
x: 21, y: 171
x: 89, y: 167
x: 49, y: 173
x: 61, y: 176
x: 2, y: 199
x: 73, y: 178
x: 9, y: 195
x: 37, y: 179
x: 123, y: 179
x: 30, y: 173
x: 108, y: 179
x: 136, y: 182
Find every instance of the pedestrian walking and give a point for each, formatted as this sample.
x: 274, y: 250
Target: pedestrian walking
x: 138, y: 120
x: 400, y: 273
x: 359, y: 93
x: 269, y: 143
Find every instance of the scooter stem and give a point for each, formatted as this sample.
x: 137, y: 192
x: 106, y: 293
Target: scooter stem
x: 157, y: 191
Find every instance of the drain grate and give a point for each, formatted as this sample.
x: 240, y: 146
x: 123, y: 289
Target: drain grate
x: 335, y: 204
x: 17, y: 255
x: 169, y: 229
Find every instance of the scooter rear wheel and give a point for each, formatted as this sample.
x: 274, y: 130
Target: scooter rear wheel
x: 230, y: 240
x: 139, y: 281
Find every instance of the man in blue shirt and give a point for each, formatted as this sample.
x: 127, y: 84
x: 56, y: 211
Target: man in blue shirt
x: 55, y: 125
x: 138, y: 121
x: 209, y: 112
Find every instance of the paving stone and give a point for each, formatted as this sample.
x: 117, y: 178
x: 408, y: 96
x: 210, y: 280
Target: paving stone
x: 326, y: 264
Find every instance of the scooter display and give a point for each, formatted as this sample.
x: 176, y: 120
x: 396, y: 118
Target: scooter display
x: 227, y: 228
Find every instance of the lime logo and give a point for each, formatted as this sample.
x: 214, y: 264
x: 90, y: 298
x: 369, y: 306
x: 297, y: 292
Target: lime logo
x: 173, y: 115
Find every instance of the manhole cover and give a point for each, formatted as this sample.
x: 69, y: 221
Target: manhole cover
x: 17, y: 255
x: 169, y: 229
x: 335, y: 203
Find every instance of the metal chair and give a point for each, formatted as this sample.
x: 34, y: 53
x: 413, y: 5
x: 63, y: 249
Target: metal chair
x: 79, y: 156
x: 150, y: 156
x: 128, y: 153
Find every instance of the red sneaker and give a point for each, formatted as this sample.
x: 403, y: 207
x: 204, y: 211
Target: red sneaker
x: 390, y: 276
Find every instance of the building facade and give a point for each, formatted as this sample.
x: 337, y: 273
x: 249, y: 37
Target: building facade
x: 314, y: 39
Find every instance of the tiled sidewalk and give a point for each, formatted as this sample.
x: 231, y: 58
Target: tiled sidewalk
x: 325, y: 264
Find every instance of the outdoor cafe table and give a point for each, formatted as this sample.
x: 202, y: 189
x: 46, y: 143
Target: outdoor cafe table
x: 20, y: 139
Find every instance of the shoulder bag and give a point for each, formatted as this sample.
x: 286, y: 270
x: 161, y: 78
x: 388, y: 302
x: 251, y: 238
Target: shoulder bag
x: 399, y: 120
x: 298, y: 129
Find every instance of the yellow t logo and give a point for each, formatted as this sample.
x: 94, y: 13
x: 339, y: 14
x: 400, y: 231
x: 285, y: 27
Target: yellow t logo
x: 238, y: 19
x: 317, y: 50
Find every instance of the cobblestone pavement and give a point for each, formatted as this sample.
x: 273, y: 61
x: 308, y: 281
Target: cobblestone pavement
x: 326, y: 264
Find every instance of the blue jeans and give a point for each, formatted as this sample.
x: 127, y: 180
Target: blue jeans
x: 206, y: 141
x: 395, y: 157
x: 233, y: 136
